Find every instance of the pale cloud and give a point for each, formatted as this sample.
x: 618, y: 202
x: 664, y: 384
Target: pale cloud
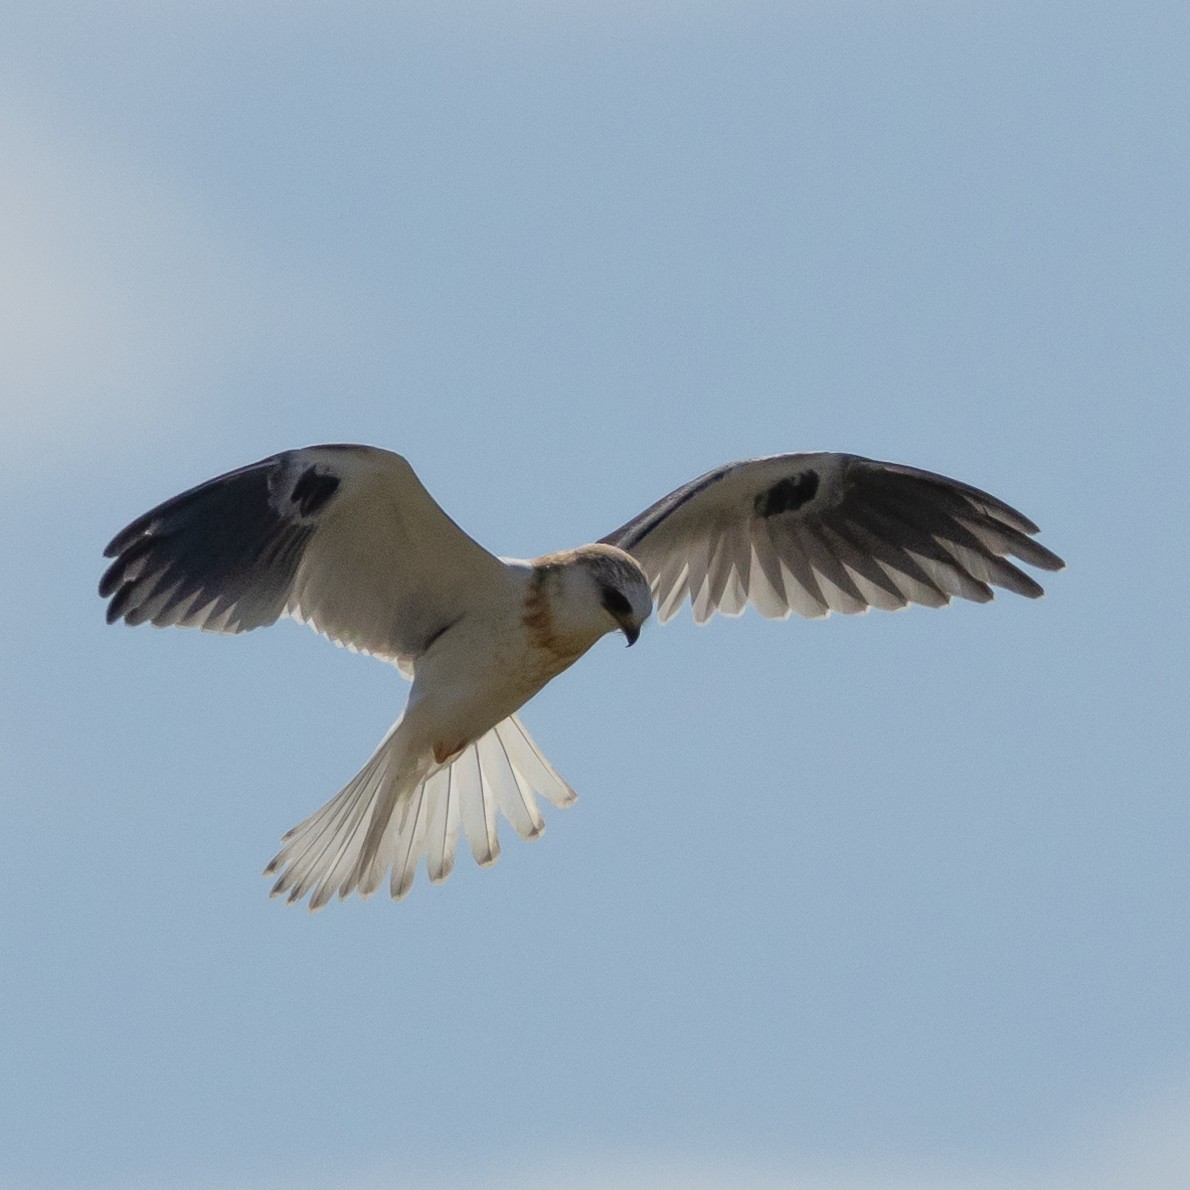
x: 1147, y: 1148
x: 124, y: 304
x: 85, y: 247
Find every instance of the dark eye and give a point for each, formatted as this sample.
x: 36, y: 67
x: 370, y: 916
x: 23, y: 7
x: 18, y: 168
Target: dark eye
x: 616, y: 603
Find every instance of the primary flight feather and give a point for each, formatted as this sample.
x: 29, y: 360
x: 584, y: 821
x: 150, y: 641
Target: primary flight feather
x: 346, y: 539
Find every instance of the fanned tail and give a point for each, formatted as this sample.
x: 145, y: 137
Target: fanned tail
x: 394, y: 812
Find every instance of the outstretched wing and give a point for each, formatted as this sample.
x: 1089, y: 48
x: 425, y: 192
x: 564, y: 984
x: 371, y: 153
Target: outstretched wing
x: 345, y: 538
x: 816, y: 533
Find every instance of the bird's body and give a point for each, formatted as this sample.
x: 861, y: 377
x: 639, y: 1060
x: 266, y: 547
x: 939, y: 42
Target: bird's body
x: 346, y: 538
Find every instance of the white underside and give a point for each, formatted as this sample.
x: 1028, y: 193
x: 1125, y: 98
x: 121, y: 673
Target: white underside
x: 500, y: 773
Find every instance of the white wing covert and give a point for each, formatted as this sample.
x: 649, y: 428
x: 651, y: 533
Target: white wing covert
x: 344, y: 538
x: 816, y: 533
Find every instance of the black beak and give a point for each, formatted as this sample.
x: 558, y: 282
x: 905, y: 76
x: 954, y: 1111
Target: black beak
x: 632, y: 632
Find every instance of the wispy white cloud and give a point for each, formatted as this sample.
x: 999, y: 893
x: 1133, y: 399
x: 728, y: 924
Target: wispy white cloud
x: 72, y: 254
x: 124, y: 304
x: 1147, y: 1148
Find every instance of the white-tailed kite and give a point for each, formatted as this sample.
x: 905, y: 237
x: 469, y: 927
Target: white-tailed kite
x: 346, y: 539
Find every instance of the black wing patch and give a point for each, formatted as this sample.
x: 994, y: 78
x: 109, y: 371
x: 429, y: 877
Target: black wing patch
x: 787, y: 495
x: 221, y: 556
x: 313, y: 489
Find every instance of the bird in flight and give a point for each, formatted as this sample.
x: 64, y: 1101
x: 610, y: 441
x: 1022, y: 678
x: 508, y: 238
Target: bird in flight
x: 346, y: 539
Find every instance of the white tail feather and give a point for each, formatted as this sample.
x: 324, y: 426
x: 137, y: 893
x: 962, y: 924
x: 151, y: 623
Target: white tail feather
x: 527, y: 759
x: 443, y: 831
x: 478, y: 807
x: 501, y: 772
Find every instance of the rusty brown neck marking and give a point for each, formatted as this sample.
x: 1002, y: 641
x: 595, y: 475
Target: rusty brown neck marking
x: 537, y: 616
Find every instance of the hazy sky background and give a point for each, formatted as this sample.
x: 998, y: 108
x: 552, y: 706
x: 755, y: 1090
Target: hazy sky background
x: 896, y: 901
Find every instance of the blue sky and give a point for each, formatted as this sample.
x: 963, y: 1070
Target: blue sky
x: 880, y: 902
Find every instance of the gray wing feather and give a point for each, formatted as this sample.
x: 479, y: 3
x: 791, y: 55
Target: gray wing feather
x: 344, y: 538
x: 816, y: 533
x: 220, y: 556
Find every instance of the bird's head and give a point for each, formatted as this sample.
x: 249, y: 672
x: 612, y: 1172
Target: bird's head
x: 622, y: 588
x: 597, y: 589
x: 591, y: 591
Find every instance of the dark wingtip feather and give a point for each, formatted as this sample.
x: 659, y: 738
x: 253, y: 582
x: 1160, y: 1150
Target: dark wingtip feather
x: 111, y: 578
x: 1029, y: 588
x: 1008, y: 515
x: 129, y: 551
x: 133, y: 532
x: 1044, y: 559
x: 119, y: 603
